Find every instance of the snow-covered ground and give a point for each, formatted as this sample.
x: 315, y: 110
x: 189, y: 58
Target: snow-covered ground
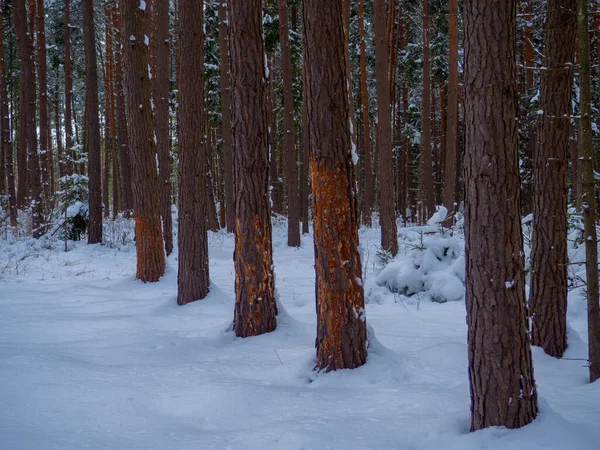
x: 92, y: 358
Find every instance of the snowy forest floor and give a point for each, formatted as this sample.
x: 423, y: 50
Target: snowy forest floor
x: 92, y: 358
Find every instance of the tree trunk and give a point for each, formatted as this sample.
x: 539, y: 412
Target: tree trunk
x: 369, y: 190
x: 351, y: 111
x: 255, y: 308
x: 92, y: 122
x: 192, y: 279
x: 426, y: 173
x: 226, y: 116
x: 148, y: 229
x: 341, y: 326
x: 69, y: 167
x: 160, y: 81
x: 5, y: 137
x: 548, y: 297
x: 28, y: 107
x: 289, y: 135
x: 452, y: 120
x: 501, y: 379
x: 387, y: 220
x: 588, y: 198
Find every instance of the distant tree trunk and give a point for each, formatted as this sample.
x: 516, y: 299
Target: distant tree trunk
x: 426, y: 173
x: 351, y: 111
x: 304, y: 151
x: 58, y: 129
x: 160, y: 81
x: 110, y: 144
x: 122, y: 132
x: 501, y: 394
x: 452, y: 120
x: 527, y: 191
x: 28, y: 107
x: 142, y: 150
x: 369, y: 190
x: 548, y: 297
x: 92, y: 122
x: 588, y: 184
x: 5, y: 138
x: 193, y: 279
x: 211, y: 210
x: 341, y: 326
x: 226, y: 116
x: 255, y: 308
x: 69, y: 167
x: 387, y: 220
x: 289, y: 136
x: 276, y: 181
x: 47, y: 161
x: 23, y: 184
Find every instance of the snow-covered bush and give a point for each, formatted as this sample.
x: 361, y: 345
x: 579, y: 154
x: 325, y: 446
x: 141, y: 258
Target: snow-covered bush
x: 72, y: 205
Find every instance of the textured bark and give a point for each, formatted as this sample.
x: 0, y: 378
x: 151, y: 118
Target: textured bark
x: 192, y: 279
x: 5, y: 137
x: 588, y: 199
x: 452, y: 120
x: 92, y: 122
x: 503, y: 391
x: 69, y: 167
x: 387, y: 220
x: 142, y: 150
x: 548, y: 297
x: 28, y: 108
x: 47, y: 161
x: 426, y: 172
x: 122, y: 133
x: 341, y: 326
x: 289, y: 135
x: 255, y: 308
x: 160, y: 79
x: 226, y: 116
x: 369, y: 190
x: 110, y: 144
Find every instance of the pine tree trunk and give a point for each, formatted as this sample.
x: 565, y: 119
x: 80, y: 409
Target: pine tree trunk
x: 69, y: 167
x: 452, y: 121
x: 58, y: 129
x: 142, y: 150
x: 369, y: 191
x: 501, y: 394
x: 193, y: 279
x: 426, y: 172
x: 341, y: 326
x: 255, y: 308
x: 92, y: 122
x: 351, y: 111
x: 160, y: 81
x: 387, y: 220
x: 226, y: 116
x: 289, y: 135
x: 588, y: 198
x: 548, y: 297
x: 28, y: 107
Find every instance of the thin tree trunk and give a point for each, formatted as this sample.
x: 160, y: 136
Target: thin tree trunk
x: 341, y: 325
x: 148, y: 229
x: 387, y: 220
x: 70, y: 168
x: 501, y: 394
x: 226, y: 116
x: 351, y: 111
x: 58, y: 129
x: 369, y: 191
x: 426, y: 173
x: 192, y: 279
x: 255, y: 308
x: 588, y: 198
x: 92, y: 137
x: 452, y: 121
x: 289, y: 136
x: 548, y: 297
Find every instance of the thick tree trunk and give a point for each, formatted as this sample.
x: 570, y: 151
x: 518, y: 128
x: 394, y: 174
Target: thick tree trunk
x: 142, y: 150
x: 588, y: 198
x: 369, y: 190
x: 92, y: 122
x: 192, y: 279
x: 226, y: 116
x: 387, y: 220
x: 341, y: 326
x: 5, y: 137
x: 548, y: 297
x: 255, y: 308
x: 501, y: 379
x: 28, y: 108
x: 160, y: 81
x: 426, y: 172
x: 452, y: 121
x: 289, y: 135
